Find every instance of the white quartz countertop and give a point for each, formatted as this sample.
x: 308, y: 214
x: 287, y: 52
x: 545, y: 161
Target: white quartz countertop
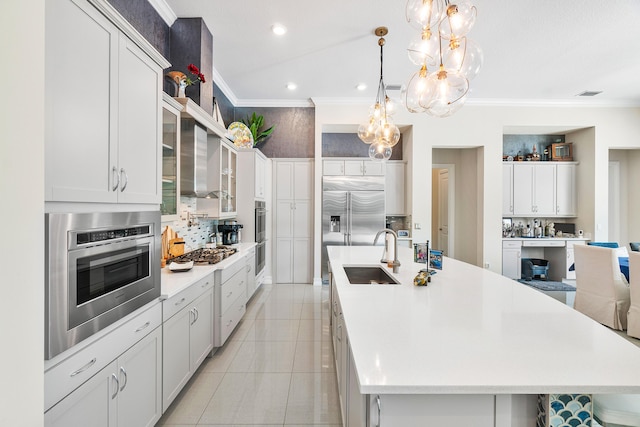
x: 175, y: 282
x: 473, y: 331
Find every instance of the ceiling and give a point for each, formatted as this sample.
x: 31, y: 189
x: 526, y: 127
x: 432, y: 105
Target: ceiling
x: 535, y: 52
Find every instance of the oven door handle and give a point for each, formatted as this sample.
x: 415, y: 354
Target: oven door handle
x: 107, y: 260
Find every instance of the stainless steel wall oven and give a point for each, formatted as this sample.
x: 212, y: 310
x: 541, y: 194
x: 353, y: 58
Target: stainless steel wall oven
x: 99, y: 268
x: 261, y: 235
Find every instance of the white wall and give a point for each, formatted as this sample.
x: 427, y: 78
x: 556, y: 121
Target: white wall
x: 483, y: 126
x: 22, y: 214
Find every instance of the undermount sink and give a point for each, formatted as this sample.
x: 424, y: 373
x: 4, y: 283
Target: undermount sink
x: 368, y: 275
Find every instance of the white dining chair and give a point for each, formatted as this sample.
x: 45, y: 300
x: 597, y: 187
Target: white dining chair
x: 633, y: 318
x: 602, y: 291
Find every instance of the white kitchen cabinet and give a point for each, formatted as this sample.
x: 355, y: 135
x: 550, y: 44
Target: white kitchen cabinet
x: 187, y: 336
x: 170, y: 158
x: 231, y: 299
x: 534, y: 189
x: 507, y: 189
x: 401, y: 410
x: 252, y: 183
x: 512, y: 258
x: 251, y: 178
x: 566, y: 190
x: 353, y: 167
x: 250, y: 266
x: 124, y: 393
x: 102, y: 144
x: 394, y: 189
x: 356, y: 402
x: 293, y: 221
x: 260, y: 175
x: 222, y: 166
x: 539, y: 189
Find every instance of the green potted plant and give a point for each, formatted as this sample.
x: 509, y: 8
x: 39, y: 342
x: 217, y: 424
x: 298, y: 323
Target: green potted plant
x: 255, y: 123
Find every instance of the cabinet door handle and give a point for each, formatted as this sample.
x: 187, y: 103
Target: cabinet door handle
x: 126, y: 179
x: 116, y: 178
x: 339, y: 337
x: 84, y: 368
x: 179, y: 302
x: 124, y: 375
x: 248, y: 268
x: 205, y: 284
x: 378, y: 405
x: 114, y: 377
x: 197, y: 313
x: 145, y: 326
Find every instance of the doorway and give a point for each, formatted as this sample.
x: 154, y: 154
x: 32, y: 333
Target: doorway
x: 443, y: 208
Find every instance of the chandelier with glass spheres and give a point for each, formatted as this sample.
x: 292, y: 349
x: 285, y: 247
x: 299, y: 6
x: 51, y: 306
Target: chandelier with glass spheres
x: 446, y: 57
x: 379, y: 131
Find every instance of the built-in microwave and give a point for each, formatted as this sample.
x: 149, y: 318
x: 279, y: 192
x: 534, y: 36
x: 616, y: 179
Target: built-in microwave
x: 99, y: 268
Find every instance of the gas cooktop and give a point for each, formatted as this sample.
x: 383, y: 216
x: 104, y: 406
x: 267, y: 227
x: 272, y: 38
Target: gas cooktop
x: 205, y: 255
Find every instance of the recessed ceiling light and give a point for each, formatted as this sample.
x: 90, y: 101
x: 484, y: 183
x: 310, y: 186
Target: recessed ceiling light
x: 292, y: 86
x: 278, y: 29
x: 361, y: 86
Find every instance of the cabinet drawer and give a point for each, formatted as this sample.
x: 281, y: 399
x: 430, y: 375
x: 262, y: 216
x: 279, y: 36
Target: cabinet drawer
x: 232, y: 317
x: 232, y: 288
x: 176, y: 303
x: 513, y: 244
x: 66, y: 376
x: 231, y: 270
x: 544, y: 243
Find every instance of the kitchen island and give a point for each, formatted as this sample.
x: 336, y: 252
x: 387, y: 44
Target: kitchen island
x: 471, y: 345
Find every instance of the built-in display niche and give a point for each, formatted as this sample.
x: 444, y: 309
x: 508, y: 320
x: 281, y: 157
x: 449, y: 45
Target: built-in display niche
x: 529, y: 147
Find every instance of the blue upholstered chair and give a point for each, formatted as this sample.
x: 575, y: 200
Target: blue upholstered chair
x: 612, y: 245
x: 635, y: 246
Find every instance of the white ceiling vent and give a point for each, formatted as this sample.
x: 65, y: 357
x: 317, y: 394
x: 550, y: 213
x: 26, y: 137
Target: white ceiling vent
x: 589, y: 93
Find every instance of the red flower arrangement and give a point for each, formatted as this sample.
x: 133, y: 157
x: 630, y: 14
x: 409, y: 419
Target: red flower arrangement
x: 196, y: 72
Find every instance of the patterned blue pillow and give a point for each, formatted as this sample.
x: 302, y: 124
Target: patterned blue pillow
x: 612, y: 245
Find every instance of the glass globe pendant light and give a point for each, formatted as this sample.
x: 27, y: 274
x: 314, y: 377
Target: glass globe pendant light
x: 417, y: 94
x: 458, y: 20
x: 443, y: 92
x: 449, y: 90
x: 380, y: 131
x: 379, y: 151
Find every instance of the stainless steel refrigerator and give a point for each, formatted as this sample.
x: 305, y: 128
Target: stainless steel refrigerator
x: 352, y: 212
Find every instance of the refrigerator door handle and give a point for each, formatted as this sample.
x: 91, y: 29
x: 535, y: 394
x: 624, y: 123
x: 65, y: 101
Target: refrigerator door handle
x: 349, y: 216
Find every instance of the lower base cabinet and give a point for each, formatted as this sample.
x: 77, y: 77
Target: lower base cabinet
x: 124, y: 393
x: 231, y: 300
x: 187, y: 337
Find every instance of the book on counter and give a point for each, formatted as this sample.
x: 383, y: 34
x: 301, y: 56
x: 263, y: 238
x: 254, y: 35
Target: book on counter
x: 435, y: 259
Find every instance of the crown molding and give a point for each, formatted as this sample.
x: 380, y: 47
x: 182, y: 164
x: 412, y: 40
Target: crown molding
x: 291, y: 103
x: 224, y: 87
x: 165, y: 12
x: 573, y: 103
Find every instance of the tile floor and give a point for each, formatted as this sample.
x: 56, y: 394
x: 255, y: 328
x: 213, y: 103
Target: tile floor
x: 276, y: 369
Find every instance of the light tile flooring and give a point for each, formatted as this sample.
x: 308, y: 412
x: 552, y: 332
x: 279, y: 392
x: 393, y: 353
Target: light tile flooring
x: 276, y: 369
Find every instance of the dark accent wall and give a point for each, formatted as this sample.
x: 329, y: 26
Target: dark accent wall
x: 294, y: 134
x: 147, y: 21
x: 349, y: 145
x: 224, y: 105
x: 192, y: 43
x: 189, y: 41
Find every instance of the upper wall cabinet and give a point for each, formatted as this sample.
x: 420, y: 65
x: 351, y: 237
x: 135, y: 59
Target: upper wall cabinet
x: 539, y: 189
x: 352, y: 167
x: 102, y: 107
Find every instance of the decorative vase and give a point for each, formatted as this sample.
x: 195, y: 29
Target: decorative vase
x: 181, y: 87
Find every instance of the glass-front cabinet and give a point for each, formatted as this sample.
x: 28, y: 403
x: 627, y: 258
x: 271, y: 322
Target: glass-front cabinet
x: 223, y: 162
x: 170, y: 158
